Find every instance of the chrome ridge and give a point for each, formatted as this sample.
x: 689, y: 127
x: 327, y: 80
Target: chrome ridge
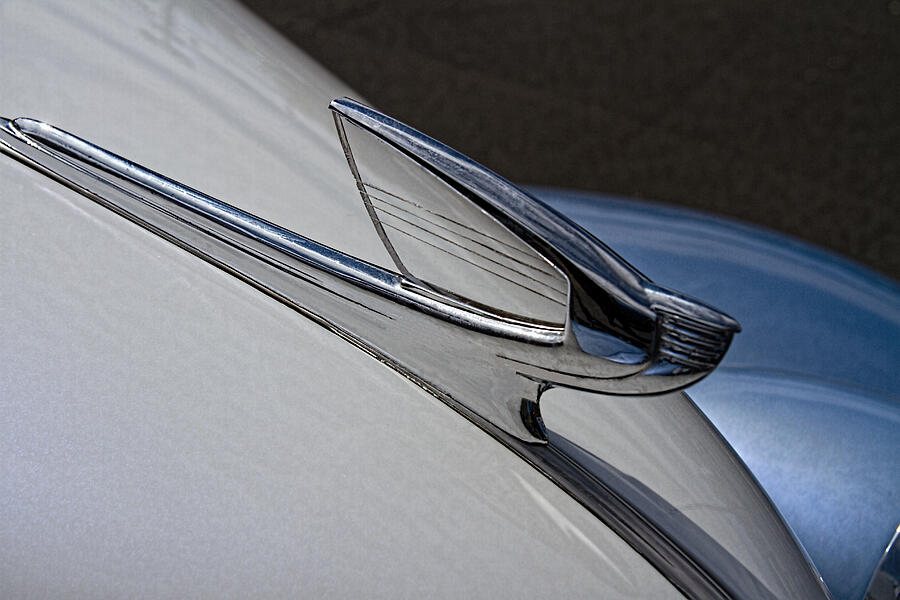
x: 486, y: 358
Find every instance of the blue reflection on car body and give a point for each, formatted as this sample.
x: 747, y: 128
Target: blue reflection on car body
x: 808, y: 393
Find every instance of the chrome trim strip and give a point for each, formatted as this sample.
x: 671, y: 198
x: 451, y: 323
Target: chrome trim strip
x: 183, y: 199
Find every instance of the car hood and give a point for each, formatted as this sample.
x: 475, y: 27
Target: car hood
x: 808, y: 392
x: 145, y: 350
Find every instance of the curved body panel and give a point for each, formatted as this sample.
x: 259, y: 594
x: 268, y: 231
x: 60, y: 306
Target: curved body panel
x: 808, y: 394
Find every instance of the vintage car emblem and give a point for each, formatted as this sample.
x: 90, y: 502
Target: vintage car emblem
x: 495, y: 297
x: 488, y: 278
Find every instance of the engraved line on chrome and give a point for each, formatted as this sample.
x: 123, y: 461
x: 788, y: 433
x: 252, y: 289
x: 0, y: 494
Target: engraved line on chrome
x: 443, y: 236
x: 446, y: 218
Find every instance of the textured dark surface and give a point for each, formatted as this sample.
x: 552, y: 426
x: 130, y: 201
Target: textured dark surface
x: 784, y: 114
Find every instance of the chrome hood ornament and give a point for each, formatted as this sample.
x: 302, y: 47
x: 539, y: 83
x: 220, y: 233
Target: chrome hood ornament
x: 460, y: 231
x: 496, y: 296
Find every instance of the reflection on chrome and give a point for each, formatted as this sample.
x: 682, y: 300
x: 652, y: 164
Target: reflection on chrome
x: 495, y: 299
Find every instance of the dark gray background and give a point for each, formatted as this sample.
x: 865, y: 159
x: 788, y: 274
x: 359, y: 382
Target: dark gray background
x: 782, y: 113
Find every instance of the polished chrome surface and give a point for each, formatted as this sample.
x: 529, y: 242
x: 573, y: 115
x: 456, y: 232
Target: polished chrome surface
x: 473, y: 357
x: 885, y: 583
